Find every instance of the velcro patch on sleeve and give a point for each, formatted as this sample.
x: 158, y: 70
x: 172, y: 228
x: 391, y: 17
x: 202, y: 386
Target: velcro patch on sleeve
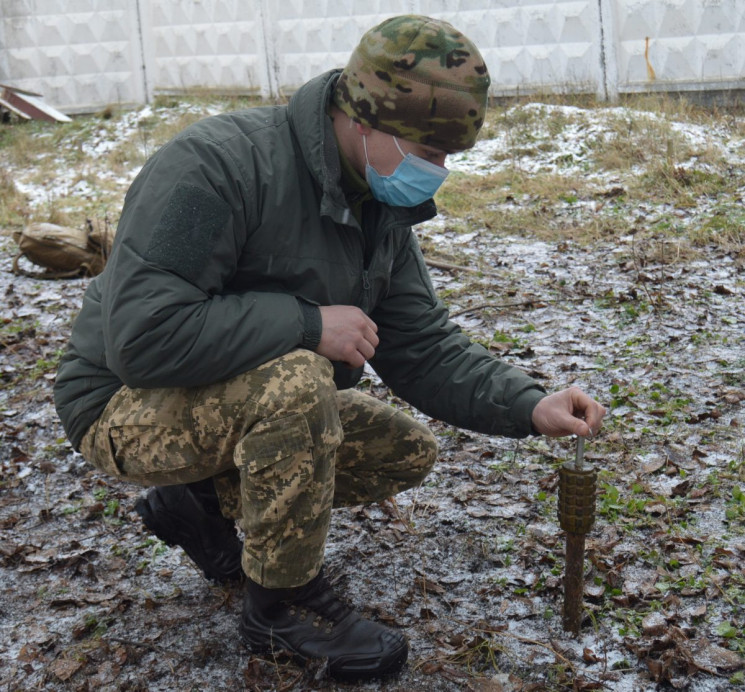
x: 187, y: 231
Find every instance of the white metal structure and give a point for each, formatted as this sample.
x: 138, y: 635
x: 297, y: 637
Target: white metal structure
x: 84, y: 54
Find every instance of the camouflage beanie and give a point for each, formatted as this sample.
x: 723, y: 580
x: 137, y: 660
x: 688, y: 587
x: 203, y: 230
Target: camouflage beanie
x: 417, y: 78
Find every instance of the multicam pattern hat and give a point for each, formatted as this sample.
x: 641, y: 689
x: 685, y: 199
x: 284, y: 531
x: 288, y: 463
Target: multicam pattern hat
x: 417, y: 78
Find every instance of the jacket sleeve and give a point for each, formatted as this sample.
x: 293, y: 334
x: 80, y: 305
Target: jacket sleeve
x: 169, y: 318
x: 429, y: 362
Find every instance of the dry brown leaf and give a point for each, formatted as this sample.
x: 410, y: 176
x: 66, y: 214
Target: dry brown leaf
x: 489, y: 685
x: 588, y: 656
x: 654, y: 465
x: 430, y: 667
x: 29, y: 652
x: 65, y: 668
x: 654, y: 624
x: 715, y: 659
x: 429, y: 586
x: 594, y: 590
x: 697, y: 611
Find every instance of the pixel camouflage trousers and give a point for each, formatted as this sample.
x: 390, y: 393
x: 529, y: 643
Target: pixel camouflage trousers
x: 283, y: 447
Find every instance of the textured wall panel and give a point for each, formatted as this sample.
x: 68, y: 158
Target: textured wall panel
x: 82, y: 54
x: 312, y: 36
x: 527, y: 45
x: 307, y: 47
x: 79, y: 54
x: 534, y: 45
x: 215, y: 44
x: 680, y: 44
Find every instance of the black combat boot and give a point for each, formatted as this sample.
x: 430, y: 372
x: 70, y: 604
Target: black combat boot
x: 312, y: 623
x: 189, y: 516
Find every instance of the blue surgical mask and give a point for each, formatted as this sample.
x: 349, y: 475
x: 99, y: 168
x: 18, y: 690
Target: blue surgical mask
x: 414, y: 181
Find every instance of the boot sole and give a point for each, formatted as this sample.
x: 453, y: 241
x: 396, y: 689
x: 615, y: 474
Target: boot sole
x: 336, y: 670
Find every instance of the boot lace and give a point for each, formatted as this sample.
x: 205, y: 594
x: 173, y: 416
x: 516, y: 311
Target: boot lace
x: 321, y: 601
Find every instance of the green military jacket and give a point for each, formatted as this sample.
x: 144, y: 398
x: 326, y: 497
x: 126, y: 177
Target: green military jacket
x: 226, y: 232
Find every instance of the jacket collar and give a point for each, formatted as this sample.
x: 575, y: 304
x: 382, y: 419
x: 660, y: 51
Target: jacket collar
x: 309, y: 120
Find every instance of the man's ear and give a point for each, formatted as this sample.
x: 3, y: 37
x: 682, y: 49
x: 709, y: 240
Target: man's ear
x: 362, y: 129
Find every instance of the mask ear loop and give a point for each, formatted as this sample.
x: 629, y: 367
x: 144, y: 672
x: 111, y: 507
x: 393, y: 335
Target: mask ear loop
x: 395, y: 141
x: 364, y: 144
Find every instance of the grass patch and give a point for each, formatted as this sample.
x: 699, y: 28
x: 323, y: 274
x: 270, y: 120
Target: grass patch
x: 620, y: 158
x: 656, y: 168
x: 510, y: 201
x: 62, y: 161
x: 633, y: 138
x: 723, y: 226
x: 13, y: 207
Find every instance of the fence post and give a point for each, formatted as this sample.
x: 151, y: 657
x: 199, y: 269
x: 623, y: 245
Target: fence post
x: 143, y: 53
x: 269, y: 76
x: 4, y: 70
x: 607, y: 40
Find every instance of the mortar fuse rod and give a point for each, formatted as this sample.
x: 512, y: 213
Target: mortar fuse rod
x: 575, y: 561
x: 579, y: 458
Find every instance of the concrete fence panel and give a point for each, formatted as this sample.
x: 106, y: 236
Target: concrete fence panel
x: 84, y: 54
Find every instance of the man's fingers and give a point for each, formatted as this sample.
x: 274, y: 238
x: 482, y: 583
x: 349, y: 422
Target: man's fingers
x: 589, y: 411
x: 355, y: 361
x: 567, y: 424
x: 348, y: 335
x: 366, y: 349
x: 593, y: 414
x: 581, y: 429
x: 372, y: 338
x: 568, y: 412
x: 595, y: 420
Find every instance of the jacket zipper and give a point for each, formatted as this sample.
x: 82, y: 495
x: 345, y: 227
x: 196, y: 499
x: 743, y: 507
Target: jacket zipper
x: 365, y: 291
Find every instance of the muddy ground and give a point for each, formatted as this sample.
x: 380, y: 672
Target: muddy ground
x: 470, y: 566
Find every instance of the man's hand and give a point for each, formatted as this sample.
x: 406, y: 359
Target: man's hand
x: 348, y: 335
x: 568, y: 412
